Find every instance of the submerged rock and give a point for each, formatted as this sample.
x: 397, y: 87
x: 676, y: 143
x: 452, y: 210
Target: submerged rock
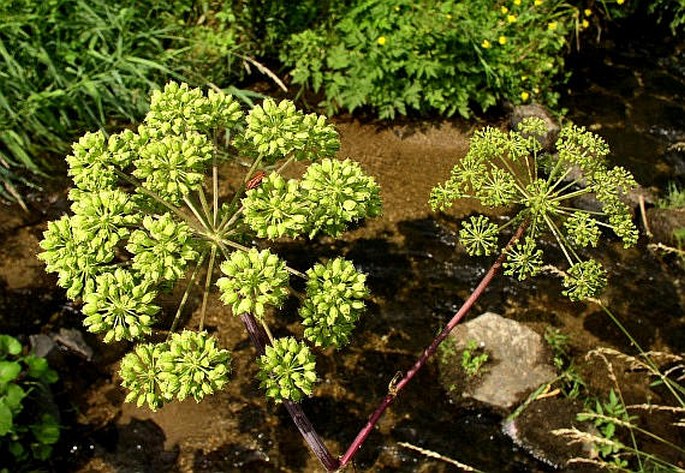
x: 70, y: 339
x: 518, y: 362
x: 533, y: 431
x: 664, y: 223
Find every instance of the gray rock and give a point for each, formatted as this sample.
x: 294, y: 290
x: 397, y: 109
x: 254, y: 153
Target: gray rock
x: 664, y: 222
x: 532, y: 431
x: 535, y: 110
x: 518, y: 361
x: 70, y: 339
x: 41, y: 344
x: 73, y: 340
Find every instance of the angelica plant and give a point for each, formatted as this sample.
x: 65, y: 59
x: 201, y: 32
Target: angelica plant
x: 512, y: 171
x: 147, y: 215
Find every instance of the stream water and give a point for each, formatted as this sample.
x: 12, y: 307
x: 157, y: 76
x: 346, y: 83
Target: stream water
x: 631, y: 90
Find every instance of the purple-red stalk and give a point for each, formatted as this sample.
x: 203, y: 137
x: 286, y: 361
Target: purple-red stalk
x: 302, y: 422
x: 304, y: 425
x: 427, y: 353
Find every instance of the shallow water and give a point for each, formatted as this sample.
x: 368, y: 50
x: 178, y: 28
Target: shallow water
x: 632, y: 95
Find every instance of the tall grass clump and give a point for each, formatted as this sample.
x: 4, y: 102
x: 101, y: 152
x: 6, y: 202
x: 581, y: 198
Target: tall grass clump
x: 66, y: 65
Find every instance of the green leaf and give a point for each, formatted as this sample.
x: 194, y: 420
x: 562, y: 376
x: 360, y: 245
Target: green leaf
x: 47, y: 431
x: 17, y: 450
x: 9, y: 345
x: 6, y: 422
x: 9, y: 371
x: 37, y: 367
x: 13, y: 397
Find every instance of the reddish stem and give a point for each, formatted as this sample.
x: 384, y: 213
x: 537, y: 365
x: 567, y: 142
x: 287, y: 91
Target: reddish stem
x: 304, y: 425
x: 302, y: 422
x: 428, y: 352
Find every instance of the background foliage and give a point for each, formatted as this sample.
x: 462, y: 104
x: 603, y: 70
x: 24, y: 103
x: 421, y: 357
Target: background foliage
x: 71, y: 65
x: 28, y: 428
x: 67, y: 66
x: 445, y: 56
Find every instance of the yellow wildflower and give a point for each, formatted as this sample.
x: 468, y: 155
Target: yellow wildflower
x: 620, y: 2
x: 524, y: 77
x: 517, y: 2
x: 584, y: 24
x: 525, y: 96
x: 536, y: 90
x: 587, y: 12
x: 511, y: 18
x: 504, y: 10
x: 486, y: 44
x: 502, y: 40
x: 538, y: 2
x: 552, y: 25
x: 382, y: 40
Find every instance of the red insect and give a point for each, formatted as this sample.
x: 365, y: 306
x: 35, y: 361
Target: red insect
x: 255, y: 180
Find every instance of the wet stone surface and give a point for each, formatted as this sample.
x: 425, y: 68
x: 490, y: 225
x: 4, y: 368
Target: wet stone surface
x: 518, y: 362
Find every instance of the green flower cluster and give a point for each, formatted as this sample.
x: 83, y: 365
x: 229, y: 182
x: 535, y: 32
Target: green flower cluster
x: 334, y: 303
x: 95, y: 159
x: 338, y: 194
x: 121, y: 307
x: 584, y: 280
x: 67, y: 251
x: 182, y: 109
x: 189, y: 364
x: 287, y: 370
x: 276, y: 208
x: 479, y: 236
x: 142, y: 220
x: 524, y: 259
x: 255, y: 279
x: 511, y: 170
x: 162, y: 248
x: 330, y: 196
x: 104, y: 217
x: 172, y: 165
x: 276, y: 131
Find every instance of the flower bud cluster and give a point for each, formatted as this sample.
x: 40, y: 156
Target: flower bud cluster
x: 330, y: 196
x: 142, y: 221
x: 189, y: 364
x: 275, y: 131
x: 287, y: 370
x: 334, y: 303
x: 254, y: 280
x: 512, y: 171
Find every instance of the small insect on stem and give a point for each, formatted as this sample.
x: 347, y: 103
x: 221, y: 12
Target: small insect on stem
x: 392, y: 385
x: 255, y: 180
